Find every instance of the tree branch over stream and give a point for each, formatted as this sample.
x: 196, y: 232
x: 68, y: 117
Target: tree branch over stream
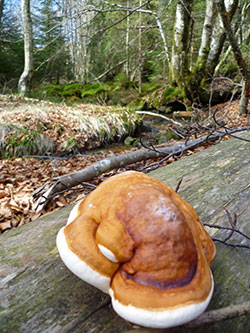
x: 49, y: 190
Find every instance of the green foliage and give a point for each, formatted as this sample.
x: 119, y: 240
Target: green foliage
x: 111, y: 93
x: 51, y: 56
x: 11, y: 49
x: 71, y: 144
x: 18, y: 141
x: 75, y: 44
x: 170, y: 94
x: 150, y: 87
x: 54, y: 90
x: 122, y: 81
x: 230, y: 69
x: 95, y: 90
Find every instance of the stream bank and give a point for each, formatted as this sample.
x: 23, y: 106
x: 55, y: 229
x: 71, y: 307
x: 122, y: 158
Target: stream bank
x: 30, y: 127
x: 19, y: 177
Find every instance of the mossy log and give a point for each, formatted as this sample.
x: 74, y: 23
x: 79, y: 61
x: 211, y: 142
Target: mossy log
x: 39, y: 294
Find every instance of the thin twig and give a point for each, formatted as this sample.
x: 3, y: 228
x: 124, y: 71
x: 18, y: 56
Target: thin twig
x: 232, y: 222
x: 232, y: 230
x: 226, y: 228
x: 178, y: 185
x: 230, y: 244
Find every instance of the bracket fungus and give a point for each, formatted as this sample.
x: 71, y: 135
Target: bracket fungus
x: 136, y: 239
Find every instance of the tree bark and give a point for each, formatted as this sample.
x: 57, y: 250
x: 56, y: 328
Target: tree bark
x: 207, y: 28
x: 245, y: 72
x: 239, y: 32
x: 140, y: 65
x: 218, y: 38
x: 127, y: 64
x: 24, y: 84
x: 195, y: 78
x: 244, y: 99
x: 163, y: 37
x: 180, y: 53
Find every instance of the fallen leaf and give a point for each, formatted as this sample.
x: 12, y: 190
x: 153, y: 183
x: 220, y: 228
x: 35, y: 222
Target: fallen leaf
x: 2, y: 194
x: 5, y: 225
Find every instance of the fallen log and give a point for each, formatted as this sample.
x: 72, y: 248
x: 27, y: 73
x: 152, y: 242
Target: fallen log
x: 39, y: 294
x: 46, y: 192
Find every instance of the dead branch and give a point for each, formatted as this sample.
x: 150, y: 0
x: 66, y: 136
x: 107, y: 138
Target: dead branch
x: 154, y: 114
x: 215, y: 316
x: 233, y: 229
x: 227, y: 128
x: 45, y: 193
x: 207, y: 318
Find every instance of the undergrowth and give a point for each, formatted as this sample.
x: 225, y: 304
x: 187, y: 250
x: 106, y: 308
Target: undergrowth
x: 17, y: 141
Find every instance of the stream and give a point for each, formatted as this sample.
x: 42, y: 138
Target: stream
x: 155, y: 129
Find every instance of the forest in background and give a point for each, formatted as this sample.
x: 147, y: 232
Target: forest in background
x: 180, y: 46
x: 112, y: 64
x: 108, y: 65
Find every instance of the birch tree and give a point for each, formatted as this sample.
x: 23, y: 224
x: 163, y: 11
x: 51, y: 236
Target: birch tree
x: 140, y: 65
x: 245, y: 71
x: 127, y: 69
x: 212, y: 40
x: 196, y: 76
x: 181, y: 35
x: 218, y: 37
x: 24, y: 84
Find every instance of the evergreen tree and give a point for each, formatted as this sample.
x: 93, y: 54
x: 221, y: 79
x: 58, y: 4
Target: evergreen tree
x: 51, y: 56
x: 11, y: 47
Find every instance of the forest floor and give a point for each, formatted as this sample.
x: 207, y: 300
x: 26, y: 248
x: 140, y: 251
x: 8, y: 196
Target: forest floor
x: 20, y: 177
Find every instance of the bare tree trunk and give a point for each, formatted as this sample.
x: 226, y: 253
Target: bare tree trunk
x: 207, y: 29
x: 243, y: 107
x: 163, y: 39
x: 127, y: 71
x: 140, y: 51
x: 180, y: 52
x: 245, y: 72
x: 242, y: 15
x: 24, y: 84
x: 197, y: 74
x: 219, y: 37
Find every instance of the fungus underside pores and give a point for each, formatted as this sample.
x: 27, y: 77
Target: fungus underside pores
x: 136, y: 239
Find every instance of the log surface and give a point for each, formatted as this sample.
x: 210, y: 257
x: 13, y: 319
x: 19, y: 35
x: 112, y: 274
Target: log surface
x: 39, y: 294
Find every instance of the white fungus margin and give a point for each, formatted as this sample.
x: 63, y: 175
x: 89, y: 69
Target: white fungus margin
x: 107, y: 253
x: 73, y: 213
x: 160, y: 319
x: 79, y: 267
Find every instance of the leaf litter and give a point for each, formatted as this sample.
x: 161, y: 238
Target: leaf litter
x: 19, y: 177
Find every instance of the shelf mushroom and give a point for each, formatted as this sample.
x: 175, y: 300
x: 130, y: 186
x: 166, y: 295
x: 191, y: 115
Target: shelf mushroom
x: 136, y: 239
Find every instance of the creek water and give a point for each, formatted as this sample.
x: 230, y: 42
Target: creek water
x: 154, y: 130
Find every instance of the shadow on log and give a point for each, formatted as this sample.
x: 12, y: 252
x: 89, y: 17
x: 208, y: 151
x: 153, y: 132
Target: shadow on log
x: 39, y: 294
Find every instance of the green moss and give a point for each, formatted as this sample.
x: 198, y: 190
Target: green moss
x: 150, y: 87
x: 195, y: 80
x: 170, y: 94
x: 95, y: 90
x: 18, y: 141
x: 121, y: 80
x: 230, y: 69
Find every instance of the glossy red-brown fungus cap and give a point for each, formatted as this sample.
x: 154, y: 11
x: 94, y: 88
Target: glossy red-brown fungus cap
x: 147, y: 240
